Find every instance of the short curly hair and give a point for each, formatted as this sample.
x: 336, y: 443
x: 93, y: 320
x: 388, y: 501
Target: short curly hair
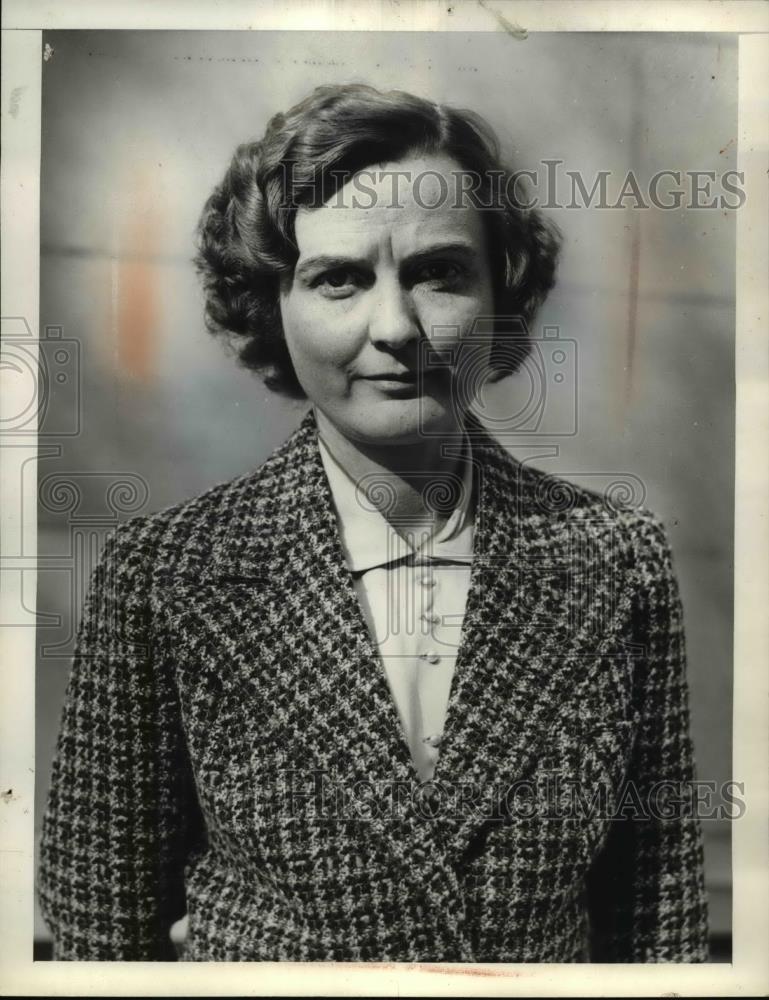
x: 246, y: 240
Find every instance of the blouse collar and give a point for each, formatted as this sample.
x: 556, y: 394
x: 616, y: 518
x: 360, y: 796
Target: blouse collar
x: 369, y: 539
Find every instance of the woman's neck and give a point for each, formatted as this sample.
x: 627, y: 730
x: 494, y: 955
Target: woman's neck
x: 398, y: 478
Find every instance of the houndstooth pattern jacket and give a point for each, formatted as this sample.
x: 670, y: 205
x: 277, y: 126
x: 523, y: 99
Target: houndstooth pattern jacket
x: 230, y: 748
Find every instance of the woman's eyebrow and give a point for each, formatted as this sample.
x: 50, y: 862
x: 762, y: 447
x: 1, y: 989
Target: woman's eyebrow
x: 455, y: 248
x: 323, y: 261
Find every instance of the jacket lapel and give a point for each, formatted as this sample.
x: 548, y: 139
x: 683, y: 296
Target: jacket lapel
x: 529, y: 666
x: 283, y: 537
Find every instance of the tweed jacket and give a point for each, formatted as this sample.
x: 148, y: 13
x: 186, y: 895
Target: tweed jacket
x: 230, y: 748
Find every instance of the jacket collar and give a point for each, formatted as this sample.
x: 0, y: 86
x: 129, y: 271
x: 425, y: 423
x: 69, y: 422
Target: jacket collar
x: 291, y: 491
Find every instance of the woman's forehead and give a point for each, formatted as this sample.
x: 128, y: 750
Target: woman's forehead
x: 405, y: 204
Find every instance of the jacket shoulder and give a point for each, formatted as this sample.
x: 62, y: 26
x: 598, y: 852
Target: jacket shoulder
x: 181, y: 536
x: 556, y: 502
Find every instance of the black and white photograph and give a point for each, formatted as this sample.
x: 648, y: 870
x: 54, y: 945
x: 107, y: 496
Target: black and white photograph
x: 381, y: 456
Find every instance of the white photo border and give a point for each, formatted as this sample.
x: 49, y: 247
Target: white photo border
x: 748, y: 973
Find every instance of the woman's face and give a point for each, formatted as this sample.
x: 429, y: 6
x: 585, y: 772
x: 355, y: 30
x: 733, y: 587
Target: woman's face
x: 381, y: 275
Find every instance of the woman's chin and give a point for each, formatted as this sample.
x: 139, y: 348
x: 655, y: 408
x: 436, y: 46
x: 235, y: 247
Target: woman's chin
x: 400, y: 421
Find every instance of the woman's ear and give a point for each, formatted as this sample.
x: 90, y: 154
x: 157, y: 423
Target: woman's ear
x: 285, y: 284
x: 496, y: 373
x: 506, y: 357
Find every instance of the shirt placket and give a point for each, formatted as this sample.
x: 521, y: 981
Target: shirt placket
x: 431, y: 663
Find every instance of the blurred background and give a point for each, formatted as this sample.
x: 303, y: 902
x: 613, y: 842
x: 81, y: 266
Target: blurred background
x: 145, y: 409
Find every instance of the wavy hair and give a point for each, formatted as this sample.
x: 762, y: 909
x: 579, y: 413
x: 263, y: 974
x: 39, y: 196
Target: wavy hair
x: 246, y: 240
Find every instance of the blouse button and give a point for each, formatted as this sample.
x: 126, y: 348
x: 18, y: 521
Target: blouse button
x: 427, y: 581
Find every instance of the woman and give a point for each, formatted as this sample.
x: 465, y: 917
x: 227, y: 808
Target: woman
x: 382, y: 698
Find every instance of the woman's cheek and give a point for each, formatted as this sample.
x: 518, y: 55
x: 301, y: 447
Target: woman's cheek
x: 323, y: 339
x: 339, y: 343
x: 457, y: 312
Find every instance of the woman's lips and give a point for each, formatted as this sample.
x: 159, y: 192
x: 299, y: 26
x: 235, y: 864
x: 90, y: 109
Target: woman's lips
x: 407, y: 376
x: 405, y: 383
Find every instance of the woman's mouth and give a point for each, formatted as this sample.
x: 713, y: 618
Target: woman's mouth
x: 403, y: 376
x: 406, y: 383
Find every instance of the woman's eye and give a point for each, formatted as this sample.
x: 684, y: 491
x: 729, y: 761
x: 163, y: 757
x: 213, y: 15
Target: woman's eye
x: 441, y: 272
x: 337, y: 283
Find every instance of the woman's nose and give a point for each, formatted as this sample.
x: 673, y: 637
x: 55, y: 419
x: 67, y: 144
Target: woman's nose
x: 393, y: 321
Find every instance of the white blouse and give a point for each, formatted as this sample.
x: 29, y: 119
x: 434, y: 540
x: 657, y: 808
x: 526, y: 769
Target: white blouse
x: 413, y: 593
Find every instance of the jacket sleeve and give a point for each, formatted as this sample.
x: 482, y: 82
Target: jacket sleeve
x: 121, y: 810
x: 646, y: 891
